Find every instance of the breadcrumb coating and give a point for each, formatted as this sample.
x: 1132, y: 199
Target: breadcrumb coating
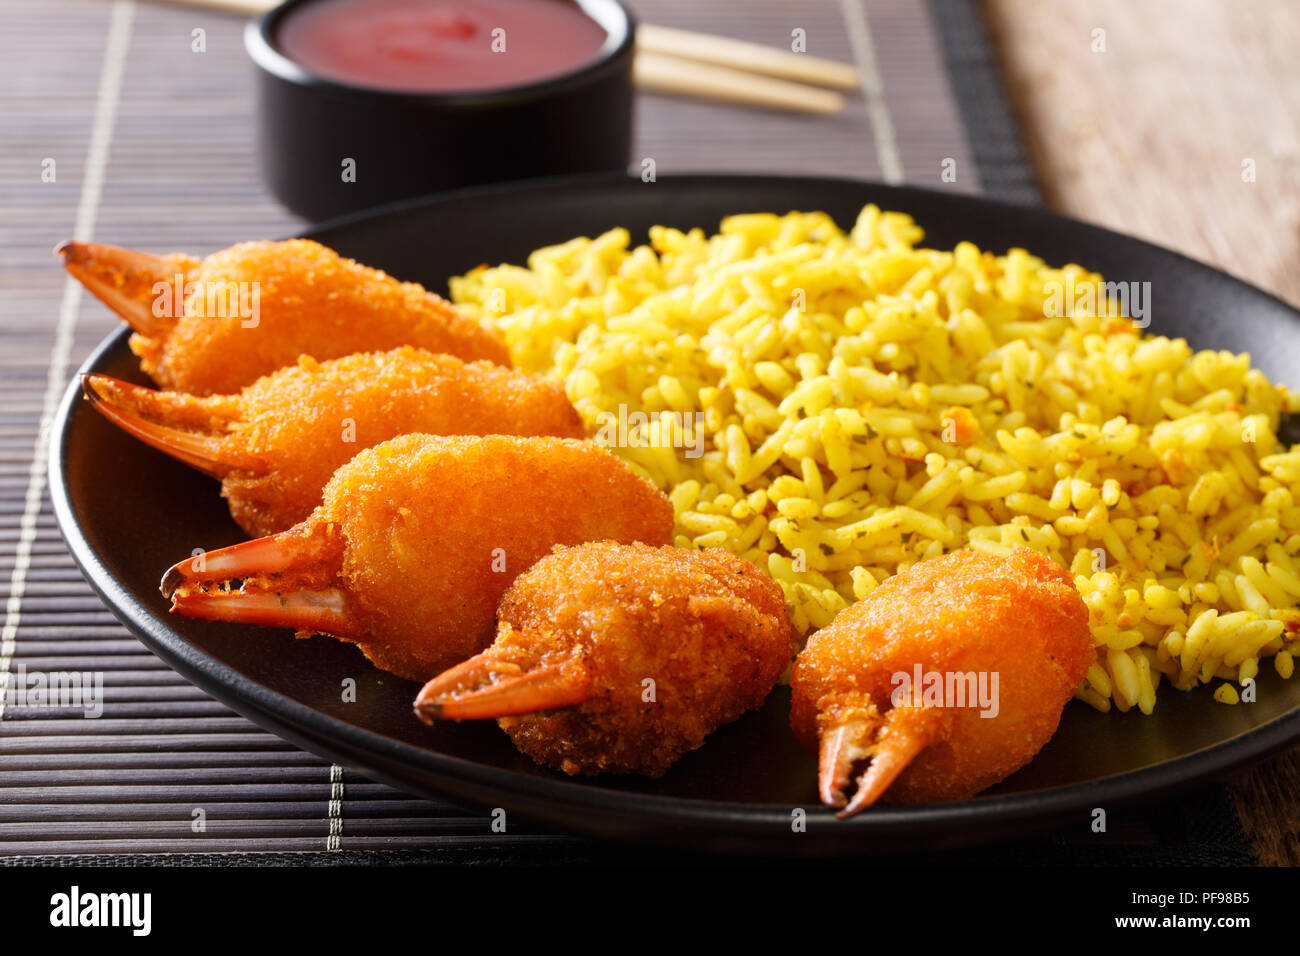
x: 310, y: 301
x: 276, y: 444
x: 436, y: 529
x: 1018, y: 617
x: 674, y: 643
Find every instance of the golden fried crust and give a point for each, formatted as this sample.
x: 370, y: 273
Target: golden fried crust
x: 438, y: 527
x: 311, y: 302
x: 297, y: 426
x: 1019, y: 616
x: 708, y: 629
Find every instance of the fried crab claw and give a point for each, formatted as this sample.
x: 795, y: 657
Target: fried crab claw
x: 128, y: 281
x: 946, y: 679
x: 410, y: 549
x: 890, y: 743
x: 288, y: 580
x: 276, y: 443
x: 160, y: 421
x: 214, y: 325
x: 486, y: 687
x: 614, y: 658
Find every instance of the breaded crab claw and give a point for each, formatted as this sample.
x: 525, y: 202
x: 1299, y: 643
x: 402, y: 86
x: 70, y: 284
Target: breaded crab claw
x: 945, y: 679
x: 214, y: 325
x: 275, y: 444
x: 415, y: 541
x: 613, y: 658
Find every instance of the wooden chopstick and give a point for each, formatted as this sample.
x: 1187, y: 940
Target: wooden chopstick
x: 748, y: 57
x: 658, y: 73
x: 683, y: 63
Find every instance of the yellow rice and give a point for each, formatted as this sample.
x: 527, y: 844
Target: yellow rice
x: 868, y: 403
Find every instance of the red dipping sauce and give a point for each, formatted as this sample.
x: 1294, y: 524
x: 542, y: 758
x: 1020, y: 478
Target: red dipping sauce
x: 439, y: 46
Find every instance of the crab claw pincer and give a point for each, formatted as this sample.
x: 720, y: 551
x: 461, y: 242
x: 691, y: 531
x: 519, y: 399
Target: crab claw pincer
x: 947, y: 678
x: 214, y: 325
x: 614, y: 658
x: 415, y: 541
x: 276, y: 443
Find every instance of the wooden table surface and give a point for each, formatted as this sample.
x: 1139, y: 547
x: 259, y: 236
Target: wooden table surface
x: 1176, y: 123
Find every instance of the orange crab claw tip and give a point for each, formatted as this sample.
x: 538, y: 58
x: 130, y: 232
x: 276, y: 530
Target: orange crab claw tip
x: 301, y: 549
x: 428, y: 711
x: 323, y: 611
x: 466, y: 675
x: 74, y: 252
x: 122, y: 279
x: 108, y: 257
x: 95, y: 383
x: 546, y: 688
x: 172, y: 578
x: 906, y: 733
x: 835, y: 761
x: 120, y: 403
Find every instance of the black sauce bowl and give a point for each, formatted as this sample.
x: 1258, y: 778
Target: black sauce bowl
x: 409, y: 143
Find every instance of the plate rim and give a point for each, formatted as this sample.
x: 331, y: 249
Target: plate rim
x: 554, y: 800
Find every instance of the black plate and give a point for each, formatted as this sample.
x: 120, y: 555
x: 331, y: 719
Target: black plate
x: 128, y: 512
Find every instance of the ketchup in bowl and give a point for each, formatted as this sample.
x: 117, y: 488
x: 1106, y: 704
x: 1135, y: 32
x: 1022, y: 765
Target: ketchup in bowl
x: 432, y: 46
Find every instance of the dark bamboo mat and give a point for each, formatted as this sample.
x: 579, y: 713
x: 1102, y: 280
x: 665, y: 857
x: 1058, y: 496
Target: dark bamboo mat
x: 151, y: 146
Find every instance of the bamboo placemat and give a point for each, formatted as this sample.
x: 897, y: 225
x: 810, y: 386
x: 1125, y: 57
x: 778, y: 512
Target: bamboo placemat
x: 150, y: 145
